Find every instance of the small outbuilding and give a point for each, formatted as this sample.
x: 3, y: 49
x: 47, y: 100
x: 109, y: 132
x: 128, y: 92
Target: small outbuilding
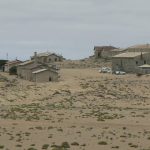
x: 11, y: 64
x: 44, y: 75
x: 144, y: 69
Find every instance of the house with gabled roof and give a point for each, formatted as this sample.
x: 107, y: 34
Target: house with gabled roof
x: 48, y: 57
x: 36, y: 71
x: 130, y: 61
x: 106, y: 51
x: 139, y: 48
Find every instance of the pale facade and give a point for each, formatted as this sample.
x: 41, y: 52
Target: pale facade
x: 44, y: 75
x: 130, y: 61
x: 42, y: 71
x: 48, y: 57
x: 106, y: 51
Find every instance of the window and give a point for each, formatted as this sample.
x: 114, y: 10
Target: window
x: 136, y: 62
x: 44, y: 60
x: 55, y: 59
x: 49, y: 60
x: 144, y: 61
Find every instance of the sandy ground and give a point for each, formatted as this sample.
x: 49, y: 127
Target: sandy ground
x: 85, y: 110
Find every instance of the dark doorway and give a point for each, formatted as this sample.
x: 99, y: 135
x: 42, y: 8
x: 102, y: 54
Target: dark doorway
x: 50, y: 79
x: 99, y: 54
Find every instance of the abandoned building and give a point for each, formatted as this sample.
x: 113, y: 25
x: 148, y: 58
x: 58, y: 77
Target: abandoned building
x: 144, y: 69
x: 48, y: 57
x: 106, y: 51
x: 33, y: 70
x: 139, y: 48
x: 2, y: 64
x: 130, y: 61
x: 11, y: 64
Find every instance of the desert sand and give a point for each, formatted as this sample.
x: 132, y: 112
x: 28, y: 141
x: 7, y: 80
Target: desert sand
x: 85, y: 110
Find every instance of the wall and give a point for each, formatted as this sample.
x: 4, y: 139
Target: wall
x: 50, y: 59
x: 45, y: 76
x: 109, y: 54
x: 22, y: 70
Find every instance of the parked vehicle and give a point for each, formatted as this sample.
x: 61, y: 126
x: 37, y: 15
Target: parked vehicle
x: 120, y: 72
x: 105, y: 70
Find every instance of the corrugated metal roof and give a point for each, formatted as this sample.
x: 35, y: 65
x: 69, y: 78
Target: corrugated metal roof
x: 129, y: 55
x: 38, y: 71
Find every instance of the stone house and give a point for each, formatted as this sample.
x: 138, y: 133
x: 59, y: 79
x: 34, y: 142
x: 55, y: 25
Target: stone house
x: 32, y: 69
x: 139, y: 48
x: 48, y: 57
x: 106, y: 51
x: 11, y: 64
x: 129, y: 61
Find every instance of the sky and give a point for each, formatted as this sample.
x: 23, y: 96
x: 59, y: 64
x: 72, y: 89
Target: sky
x: 71, y: 27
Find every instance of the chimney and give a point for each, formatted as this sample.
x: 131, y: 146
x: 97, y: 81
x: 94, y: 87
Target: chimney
x: 35, y: 58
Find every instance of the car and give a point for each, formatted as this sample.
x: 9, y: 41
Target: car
x: 120, y: 72
x: 105, y: 70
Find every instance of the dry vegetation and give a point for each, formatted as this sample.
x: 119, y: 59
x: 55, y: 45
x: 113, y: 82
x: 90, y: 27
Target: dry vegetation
x: 86, y: 110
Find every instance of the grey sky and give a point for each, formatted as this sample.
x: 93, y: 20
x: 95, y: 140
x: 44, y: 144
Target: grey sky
x: 71, y: 27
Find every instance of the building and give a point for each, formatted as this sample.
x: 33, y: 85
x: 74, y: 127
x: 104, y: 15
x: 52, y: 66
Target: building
x: 144, y: 69
x: 44, y: 75
x: 33, y: 70
x: 106, y: 51
x: 48, y: 57
x: 2, y: 64
x: 11, y: 64
x: 139, y: 48
x: 130, y: 61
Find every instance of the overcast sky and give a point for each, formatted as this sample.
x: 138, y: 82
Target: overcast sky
x: 71, y: 27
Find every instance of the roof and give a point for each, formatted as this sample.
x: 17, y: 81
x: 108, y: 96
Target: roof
x: 26, y: 63
x: 118, y: 49
x: 140, y: 46
x: 129, y: 55
x: 97, y: 48
x: 39, y: 71
x: 13, y: 62
x: 45, y: 54
x: 145, y: 66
